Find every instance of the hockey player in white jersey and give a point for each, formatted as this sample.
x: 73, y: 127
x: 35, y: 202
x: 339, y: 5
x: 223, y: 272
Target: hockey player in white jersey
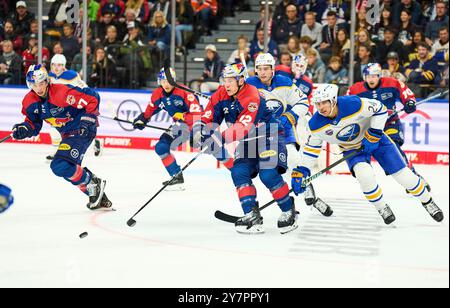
x: 60, y: 75
x: 290, y: 106
x: 354, y: 124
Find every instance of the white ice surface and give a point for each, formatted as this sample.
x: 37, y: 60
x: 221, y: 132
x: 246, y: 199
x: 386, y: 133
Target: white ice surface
x: 177, y: 242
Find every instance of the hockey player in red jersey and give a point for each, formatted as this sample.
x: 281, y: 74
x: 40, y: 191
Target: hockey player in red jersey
x: 184, y: 108
x: 388, y: 91
x: 261, y: 149
x: 73, y: 112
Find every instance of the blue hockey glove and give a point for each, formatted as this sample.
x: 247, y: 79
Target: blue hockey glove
x: 88, y: 126
x: 298, y: 177
x: 140, y: 122
x: 22, y: 131
x: 410, y: 107
x: 371, y: 140
x: 6, y: 198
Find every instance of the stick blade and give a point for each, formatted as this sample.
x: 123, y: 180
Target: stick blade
x: 225, y: 217
x: 131, y: 223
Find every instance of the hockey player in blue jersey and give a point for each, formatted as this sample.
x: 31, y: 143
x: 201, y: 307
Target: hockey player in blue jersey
x: 356, y: 123
x: 6, y: 198
x: 60, y: 75
x: 290, y: 106
x: 388, y: 91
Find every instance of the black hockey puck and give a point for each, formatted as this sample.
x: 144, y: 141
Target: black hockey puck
x: 83, y: 235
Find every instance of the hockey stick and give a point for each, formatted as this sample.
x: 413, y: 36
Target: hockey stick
x: 131, y: 222
x: 420, y: 103
x: 4, y: 139
x: 233, y: 219
x: 173, y: 83
x: 130, y: 122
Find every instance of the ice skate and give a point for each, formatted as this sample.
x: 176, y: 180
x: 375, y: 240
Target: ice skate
x: 252, y: 223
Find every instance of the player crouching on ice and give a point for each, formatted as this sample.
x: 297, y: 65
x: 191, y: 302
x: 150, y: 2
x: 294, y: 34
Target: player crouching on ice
x: 184, y: 108
x: 245, y: 112
x: 357, y: 123
x: 73, y: 112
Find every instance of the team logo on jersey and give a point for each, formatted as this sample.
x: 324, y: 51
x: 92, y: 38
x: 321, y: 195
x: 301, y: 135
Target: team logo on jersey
x: 270, y: 153
x: 64, y: 147
x: 283, y: 157
x: 386, y: 96
x: 329, y: 132
x: 304, y: 89
x: 55, y: 111
x: 349, y: 133
x: 191, y: 97
x: 252, y: 107
x: 275, y: 106
x: 70, y: 100
x: 74, y: 153
x: 178, y: 103
x: 58, y: 122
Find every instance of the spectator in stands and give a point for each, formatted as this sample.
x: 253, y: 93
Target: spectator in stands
x: 10, y: 65
x: 57, y: 16
x: 341, y: 47
x: 280, y: 10
x: 362, y: 21
x: 34, y: 29
x: 406, y: 29
x: 424, y: 70
x: 57, y: 49
x: 10, y: 35
x: 312, y: 29
x: 393, y: 68
x: 410, y: 5
x: 293, y: 46
x: 69, y: 42
x: 329, y: 34
x: 441, y: 20
x: 243, y: 50
x: 140, y: 8
x: 116, y: 7
x: 305, y: 45
x: 441, y: 45
x: 316, y: 68
x: 162, y: 6
x: 204, y: 11
x: 257, y: 46
x: 103, y: 71
x: 135, y: 56
x: 112, y: 44
x: 185, y: 20
x: 386, y: 21
x: 262, y: 19
x: 21, y: 18
x: 336, y: 73
x: 287, y: 27
x: 77, y: 63
x: 93, y: 8
x: 213, y: 69
x: 30, y: 55
x: 364, y: 58
x: 363, y: 37
x: 389, y: 44
x: 286, y: 59
x: 107, y: 20
x: 159, y: 33
x: 336, y: 6
x: 411, y: 50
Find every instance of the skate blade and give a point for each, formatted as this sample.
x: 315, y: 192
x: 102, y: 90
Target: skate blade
x: 105, y: 209
x: 289, y: 229
x: 102, y: 192
x: 178, y: 187
x: 259, y: 229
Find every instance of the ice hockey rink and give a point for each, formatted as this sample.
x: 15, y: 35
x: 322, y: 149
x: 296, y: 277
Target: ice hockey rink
x: 177, y: 242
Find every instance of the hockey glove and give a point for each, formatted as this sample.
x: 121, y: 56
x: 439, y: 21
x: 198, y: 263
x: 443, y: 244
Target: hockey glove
x: 88, y: 126
x: 6, y: 198
x: 410, y: 107
x: 371, y: 140
x: 140, y: 122
x: 298, y: 177
x: 22, y: 131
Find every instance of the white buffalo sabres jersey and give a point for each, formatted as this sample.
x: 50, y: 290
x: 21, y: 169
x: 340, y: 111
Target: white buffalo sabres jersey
x: 282, y: 95
x: 68, y: 77
x: 355, y: 116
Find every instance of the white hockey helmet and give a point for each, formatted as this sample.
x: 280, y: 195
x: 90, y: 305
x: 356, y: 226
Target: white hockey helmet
x: 325, y: 92
x: 162, y: 75
x: 36, y: 74
x: 59, y: 59
x: 372, y: 69
x: 265, y: 59
x: 299, y: 65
